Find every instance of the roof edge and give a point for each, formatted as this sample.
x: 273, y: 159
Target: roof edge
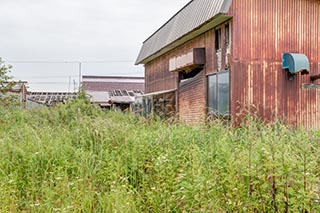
x: 159, y: 92
x: 112, y: 77
x: 210, y: 24
x: 226, y: 6
x: 177, y: 13
x: 192, y: 17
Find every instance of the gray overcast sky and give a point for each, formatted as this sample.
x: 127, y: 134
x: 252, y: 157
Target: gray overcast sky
x: 77, y: 30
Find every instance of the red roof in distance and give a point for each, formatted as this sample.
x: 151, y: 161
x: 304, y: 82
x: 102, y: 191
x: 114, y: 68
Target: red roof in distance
x: 110, y: 83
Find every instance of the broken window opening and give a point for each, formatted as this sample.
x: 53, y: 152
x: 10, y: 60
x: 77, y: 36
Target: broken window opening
x: 183, y: 76
x: 228, y: 45
x: 227, y: 32
x: 218, y: 39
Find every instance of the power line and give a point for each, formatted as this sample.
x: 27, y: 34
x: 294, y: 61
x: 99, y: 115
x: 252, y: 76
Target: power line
x: 48, y: 83
x: 68, y: 62
x: 46, y: 77
x: 74, y: 76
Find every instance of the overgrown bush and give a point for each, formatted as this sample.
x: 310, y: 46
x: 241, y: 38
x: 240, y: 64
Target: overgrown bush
x: 77, y: 158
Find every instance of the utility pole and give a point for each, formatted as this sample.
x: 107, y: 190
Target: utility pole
x: 74, y: 85
x: 80, y: 73
x: 69, y: 84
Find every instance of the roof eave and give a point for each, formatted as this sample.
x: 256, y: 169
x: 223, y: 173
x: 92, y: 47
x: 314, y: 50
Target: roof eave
x: 210, y: 24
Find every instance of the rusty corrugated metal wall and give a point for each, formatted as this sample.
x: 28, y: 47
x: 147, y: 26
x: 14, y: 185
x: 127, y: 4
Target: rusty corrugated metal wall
x: 262, y: 31
x: 157, y: 75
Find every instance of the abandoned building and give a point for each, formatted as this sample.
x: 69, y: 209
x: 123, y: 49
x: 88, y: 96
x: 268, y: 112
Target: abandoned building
x: 117, y: 92
x: 228, y: 58
x: 18, y: 90
x: 40, y: 99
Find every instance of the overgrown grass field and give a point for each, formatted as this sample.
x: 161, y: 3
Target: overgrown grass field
x: 76, y: 158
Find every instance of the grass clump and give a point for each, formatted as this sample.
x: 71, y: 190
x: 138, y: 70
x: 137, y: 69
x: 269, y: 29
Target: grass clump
x: 77, y: 158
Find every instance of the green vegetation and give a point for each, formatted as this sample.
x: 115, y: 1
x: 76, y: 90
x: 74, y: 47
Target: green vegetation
x: 76, y: 158
x: 5, y: 79
x: 6, y: 84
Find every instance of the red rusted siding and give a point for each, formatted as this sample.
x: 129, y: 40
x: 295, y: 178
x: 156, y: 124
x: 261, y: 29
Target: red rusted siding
x: 157, y: 75
x: 263, y: 30
x: 192, y: 107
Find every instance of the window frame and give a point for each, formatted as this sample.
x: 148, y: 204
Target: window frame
x: 215, y: 111
x: 218, y: 39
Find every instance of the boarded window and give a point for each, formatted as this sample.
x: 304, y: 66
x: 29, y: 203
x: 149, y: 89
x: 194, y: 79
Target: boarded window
x: 219, y: 93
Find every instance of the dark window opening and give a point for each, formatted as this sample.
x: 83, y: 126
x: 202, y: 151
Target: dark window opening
x: 219, y: 94
x: 227, y: 35
x: 187, y: 75
x: 218, y: 39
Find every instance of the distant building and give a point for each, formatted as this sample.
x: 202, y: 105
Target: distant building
x: 38, y: 99
x: 20, y: 89
x: 113, y: 91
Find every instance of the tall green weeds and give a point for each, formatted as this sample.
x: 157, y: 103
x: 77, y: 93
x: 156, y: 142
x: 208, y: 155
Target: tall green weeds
x: 77, y: 158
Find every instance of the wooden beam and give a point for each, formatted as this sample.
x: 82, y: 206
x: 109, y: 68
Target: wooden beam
x: 315, y: 77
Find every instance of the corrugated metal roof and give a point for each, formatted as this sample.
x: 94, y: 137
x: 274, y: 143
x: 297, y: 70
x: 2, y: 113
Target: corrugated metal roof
x: 115, y: 96
x: 124, y: 96
x: 189, y: 18
x: 159, y: 93
x: 50, y: 98
x: 110, y: 83
x: 98, y: 97
x: 122, y: 78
